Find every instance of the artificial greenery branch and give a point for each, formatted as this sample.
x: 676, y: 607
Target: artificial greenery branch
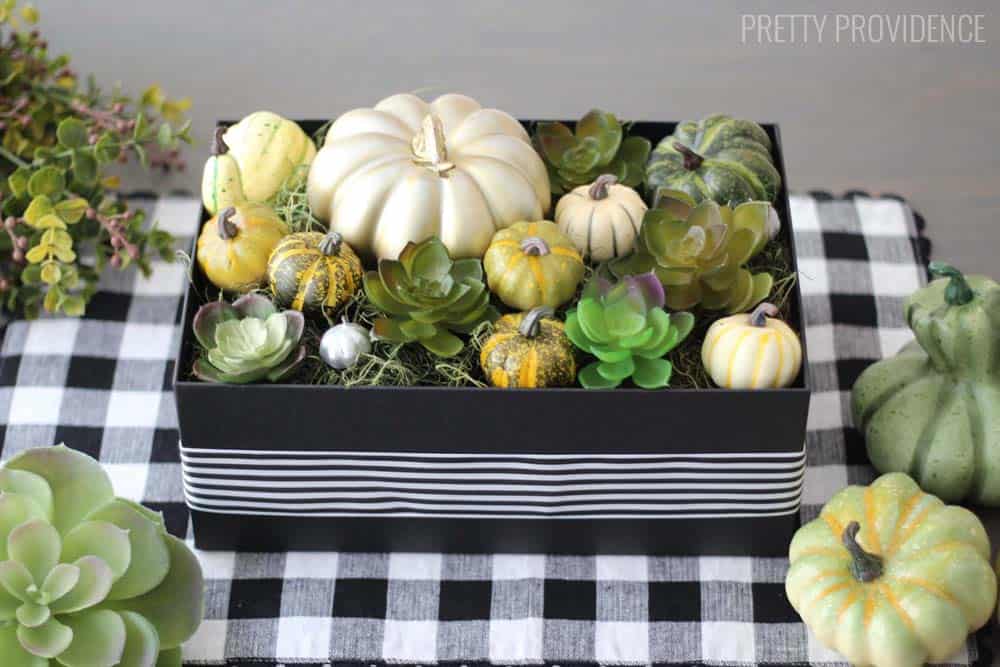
x: 64, y: 222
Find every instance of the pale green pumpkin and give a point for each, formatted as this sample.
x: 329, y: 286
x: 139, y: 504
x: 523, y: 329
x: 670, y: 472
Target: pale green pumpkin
x: 890, y: 576
x: 933, y: 410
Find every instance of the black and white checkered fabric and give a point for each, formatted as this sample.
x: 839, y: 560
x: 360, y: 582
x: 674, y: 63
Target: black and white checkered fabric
x: 102, y: 384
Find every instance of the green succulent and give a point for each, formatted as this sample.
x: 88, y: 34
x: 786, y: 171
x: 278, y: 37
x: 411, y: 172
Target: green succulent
x: 88, y: 579
x: 699, y: 252
x: 247, y: 341
x: 625, y: 327
x: 426, y: 296
x: 598, y: 146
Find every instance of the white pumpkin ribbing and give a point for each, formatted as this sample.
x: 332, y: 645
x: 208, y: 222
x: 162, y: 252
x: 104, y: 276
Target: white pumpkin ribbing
x: 739, y: 355
x: 605, y: 226
x: 374, y: 187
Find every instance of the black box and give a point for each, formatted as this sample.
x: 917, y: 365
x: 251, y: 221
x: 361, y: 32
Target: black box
x: 270, y: 467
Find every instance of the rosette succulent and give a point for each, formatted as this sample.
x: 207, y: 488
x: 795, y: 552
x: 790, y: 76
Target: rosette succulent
x: 88, y: 579
x: 247, y: 340
x: 625, y: 327
x: 598, y: 146
x: 699, y: 252
x: 426, y: 296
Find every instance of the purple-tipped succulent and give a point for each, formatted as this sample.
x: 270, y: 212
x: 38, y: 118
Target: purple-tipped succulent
x: 88, y: 579
x: 247, y: 340
x: 624, y: 325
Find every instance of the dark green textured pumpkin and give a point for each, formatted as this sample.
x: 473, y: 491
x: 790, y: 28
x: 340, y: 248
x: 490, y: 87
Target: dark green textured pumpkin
x: 309, y: 271
x: 528, y: 350
x: 720, y: 158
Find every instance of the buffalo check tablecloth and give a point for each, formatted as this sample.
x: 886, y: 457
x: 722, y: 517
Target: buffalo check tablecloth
x: 102, y: 384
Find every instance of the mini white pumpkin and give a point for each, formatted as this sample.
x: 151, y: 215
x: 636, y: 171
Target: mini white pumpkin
x: 408, y: 169
x: 342, y: 344
x: 752, y: 351
x: 252, y: 159
x: 602, y: 219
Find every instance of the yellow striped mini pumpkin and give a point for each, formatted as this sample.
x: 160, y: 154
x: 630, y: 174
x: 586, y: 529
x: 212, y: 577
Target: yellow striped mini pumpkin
x: 532, y: 264
x: 310, y: 271
x: 752, y: 351
x: 528, y: 350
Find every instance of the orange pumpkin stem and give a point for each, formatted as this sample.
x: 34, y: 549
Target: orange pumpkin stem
x: 227, y: 228
x: 866, y: 567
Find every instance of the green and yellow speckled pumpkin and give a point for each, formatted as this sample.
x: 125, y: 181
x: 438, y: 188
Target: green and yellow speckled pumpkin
x: 528, y: 350
x: 533, y: 264
x: 720, y: 158
x: 310, y: 271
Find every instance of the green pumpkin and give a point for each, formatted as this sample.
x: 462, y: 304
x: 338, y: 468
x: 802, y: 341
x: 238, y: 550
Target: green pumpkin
x: 933, y: 410
x: 720, y: 158
x: 890, y: 576
x: 310, y: 271
x: 531, y: 264
x: 528, y: 350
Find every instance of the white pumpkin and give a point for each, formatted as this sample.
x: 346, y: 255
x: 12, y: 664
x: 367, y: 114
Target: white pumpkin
x: 408, y: 169
x: 752, y: 351
x: 342, y: 344
x: 602, y: 219
x: 267, y: 149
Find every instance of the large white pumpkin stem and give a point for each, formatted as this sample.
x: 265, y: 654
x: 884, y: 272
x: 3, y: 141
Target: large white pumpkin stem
x: 429, y: 148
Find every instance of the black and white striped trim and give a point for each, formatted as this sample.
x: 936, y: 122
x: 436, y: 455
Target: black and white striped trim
x: 527, y: 486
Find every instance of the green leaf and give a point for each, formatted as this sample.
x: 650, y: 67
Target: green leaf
x: 652, y: 373
x: 78, y: 482
x: 45, y: 641
x: 143, y: 157
x: 141, y: 127
x: 34, y: 544
x: 98, y: 639
x: 91, y: 588
x: 38, y: 254
x: 85, y: 167
x: 590, y: 379
x: 14, y: 654
x: 443, y: 344
x: 164, y: 136
x: 18, y: 181
x: 102, y: 539
x: 74, y: 305
x: 71, y: 210
x: 176, y: 606
x: 106, y: 149
x: 39, y: 207
x: 50, y: 222
x: 150, y: 557
x: 51, y: 273
x: 46, y: 181
x: 72, y: 133
x: 53, y: 299
x: 141, y: 641
x: 605, y: 130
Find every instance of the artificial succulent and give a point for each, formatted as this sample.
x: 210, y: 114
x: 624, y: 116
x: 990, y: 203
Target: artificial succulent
x: 247, y: 340
x: 699, y: 252
x: 426, y: 296
x: 599, y: 145
x: 88, y: 579
x: 624, y: 325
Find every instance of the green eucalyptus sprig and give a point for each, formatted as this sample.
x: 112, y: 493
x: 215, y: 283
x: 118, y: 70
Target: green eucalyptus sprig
x: 63, y: 221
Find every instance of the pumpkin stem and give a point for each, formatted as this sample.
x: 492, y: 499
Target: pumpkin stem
x: 599, y: 189
x: 330, y: 244
x: 535, y: 246
x: 958, y: 292
x: 219, y: 145
x: 758, y: 317
x: 227, y: 229
x: 691, y: 159
x: 429, y: 148
x: 531, y: 325
x: 865, y: 567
